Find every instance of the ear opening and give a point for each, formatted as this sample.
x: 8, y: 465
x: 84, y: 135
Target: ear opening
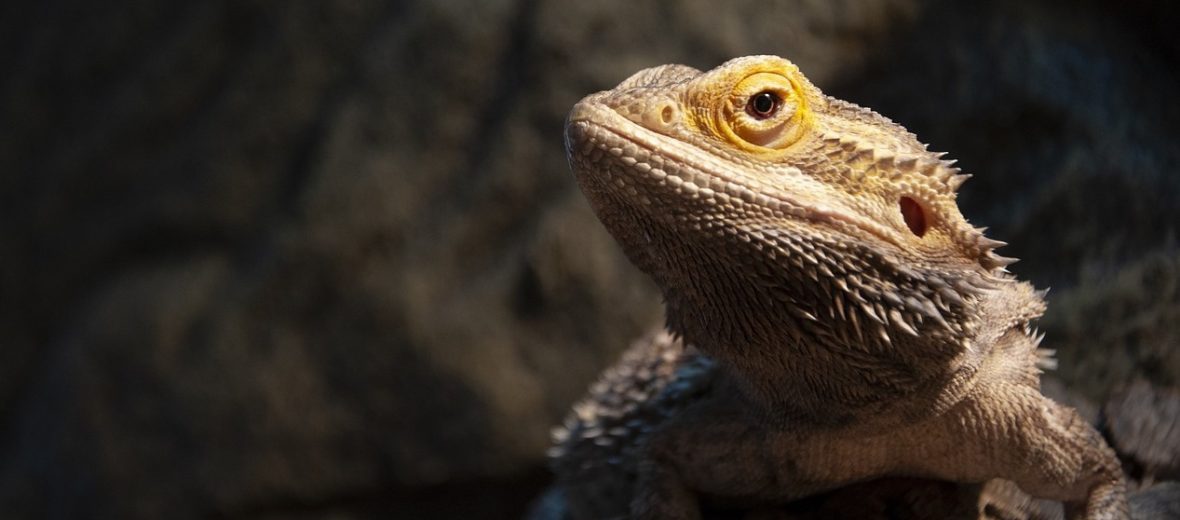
x: 914, y: 215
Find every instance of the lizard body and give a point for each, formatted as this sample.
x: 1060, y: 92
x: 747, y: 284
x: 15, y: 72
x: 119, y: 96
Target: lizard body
x: 847, y: 322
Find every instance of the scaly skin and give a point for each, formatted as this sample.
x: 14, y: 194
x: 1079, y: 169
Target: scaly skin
x: 855, y: 324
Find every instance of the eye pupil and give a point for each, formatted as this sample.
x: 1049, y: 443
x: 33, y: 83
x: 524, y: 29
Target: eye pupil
x: 763, y: 104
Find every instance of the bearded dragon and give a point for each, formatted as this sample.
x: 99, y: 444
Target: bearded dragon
x: 843, y: 321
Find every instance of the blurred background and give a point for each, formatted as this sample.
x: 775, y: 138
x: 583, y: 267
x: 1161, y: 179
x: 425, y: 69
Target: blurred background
x: 326, y: 260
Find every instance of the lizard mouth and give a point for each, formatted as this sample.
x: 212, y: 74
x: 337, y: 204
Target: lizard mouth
x: 649, y: 166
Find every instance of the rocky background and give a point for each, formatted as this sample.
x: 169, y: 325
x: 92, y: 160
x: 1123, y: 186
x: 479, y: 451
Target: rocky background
x: 325, y: 259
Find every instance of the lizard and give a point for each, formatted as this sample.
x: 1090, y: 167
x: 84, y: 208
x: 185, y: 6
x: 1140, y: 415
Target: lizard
x: 831, y: 315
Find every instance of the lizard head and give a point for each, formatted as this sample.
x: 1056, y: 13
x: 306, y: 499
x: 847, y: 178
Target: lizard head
x: 762, y: 207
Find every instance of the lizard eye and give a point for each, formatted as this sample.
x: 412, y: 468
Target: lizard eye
x: 765, y: 110
x: 914, y: 215
x: 763, y: 104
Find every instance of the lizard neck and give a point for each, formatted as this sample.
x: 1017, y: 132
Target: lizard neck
x: 800, y: 362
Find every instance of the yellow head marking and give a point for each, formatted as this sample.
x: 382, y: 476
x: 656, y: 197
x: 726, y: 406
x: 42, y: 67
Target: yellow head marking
x: 759, y: 107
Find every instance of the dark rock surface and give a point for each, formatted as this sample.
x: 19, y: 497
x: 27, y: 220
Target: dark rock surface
x: 1143, y: 424
x: 324, y: 259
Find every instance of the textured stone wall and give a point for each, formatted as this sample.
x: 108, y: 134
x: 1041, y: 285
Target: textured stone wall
x: 325, y: 259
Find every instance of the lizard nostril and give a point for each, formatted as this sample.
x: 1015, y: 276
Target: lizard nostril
x: 667, y: 114
x: 914, y: 215
x: 660, y: 116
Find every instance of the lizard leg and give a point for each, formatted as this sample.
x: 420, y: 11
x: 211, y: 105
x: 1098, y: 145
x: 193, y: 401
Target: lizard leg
x: 1011, y: 431
x: 662, y: 493
x: 697, y: 451
x: 714, y: 450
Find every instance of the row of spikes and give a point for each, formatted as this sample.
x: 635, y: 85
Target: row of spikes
x: 926, y: 295
x: 938, y: 169
x: 855, y: 299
